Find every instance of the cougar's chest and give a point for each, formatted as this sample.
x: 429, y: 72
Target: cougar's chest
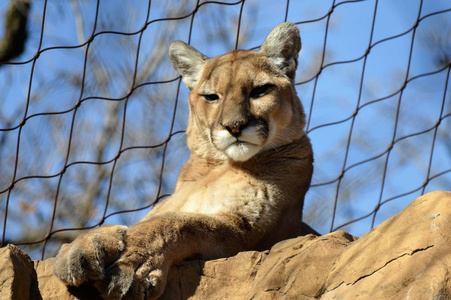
x: 226, y: 191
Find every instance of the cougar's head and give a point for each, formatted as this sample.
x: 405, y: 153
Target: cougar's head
x: 243, y: 102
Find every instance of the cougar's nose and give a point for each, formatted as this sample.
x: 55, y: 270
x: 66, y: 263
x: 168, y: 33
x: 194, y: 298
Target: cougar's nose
x: 235, y: 128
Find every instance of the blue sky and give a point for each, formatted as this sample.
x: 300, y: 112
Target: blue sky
x: 332, y: 96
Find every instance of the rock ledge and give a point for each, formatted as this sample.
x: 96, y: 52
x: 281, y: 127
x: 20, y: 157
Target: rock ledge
x: 408, y: 256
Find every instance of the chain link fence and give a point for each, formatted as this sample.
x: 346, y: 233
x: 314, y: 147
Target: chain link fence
x: 92, y: 114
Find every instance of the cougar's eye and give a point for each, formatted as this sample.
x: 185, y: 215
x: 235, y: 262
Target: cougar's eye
x: 260, y: 91
x: 211, y: 97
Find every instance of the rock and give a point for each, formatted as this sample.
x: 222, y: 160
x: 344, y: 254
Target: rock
x: 16, y: 273
x: 408, y: 257
x: 50, y: 287
x: 276, y: 274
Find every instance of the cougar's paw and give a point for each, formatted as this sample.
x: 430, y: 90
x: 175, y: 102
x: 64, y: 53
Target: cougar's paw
x: 128, y: 281
x: 85, y: 259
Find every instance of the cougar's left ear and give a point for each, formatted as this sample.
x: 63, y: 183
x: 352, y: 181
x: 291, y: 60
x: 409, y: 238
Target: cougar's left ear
x: 282, y: 47
x: 187, y: 61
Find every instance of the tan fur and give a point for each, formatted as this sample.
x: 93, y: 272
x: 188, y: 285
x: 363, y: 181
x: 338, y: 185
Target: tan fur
x: 242, y: 188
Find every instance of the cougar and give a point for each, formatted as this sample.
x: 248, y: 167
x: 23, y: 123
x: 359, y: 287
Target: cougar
x: 242, y: 188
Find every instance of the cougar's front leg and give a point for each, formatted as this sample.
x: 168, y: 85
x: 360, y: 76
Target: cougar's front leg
x: 85, y: 259
x: 153, y: 246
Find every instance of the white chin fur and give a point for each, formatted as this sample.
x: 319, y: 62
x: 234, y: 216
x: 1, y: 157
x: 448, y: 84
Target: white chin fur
x: 241, y: 151
x: 249, y: 143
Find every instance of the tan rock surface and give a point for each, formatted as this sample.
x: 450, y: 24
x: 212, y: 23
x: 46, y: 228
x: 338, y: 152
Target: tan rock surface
x: 292, y: 268
x: 16, y: 273
x: 406, y: 257
x: 50, y: 287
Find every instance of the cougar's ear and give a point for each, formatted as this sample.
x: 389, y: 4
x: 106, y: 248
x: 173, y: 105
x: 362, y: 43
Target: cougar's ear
x: 187, y: 61
x: 282, y: 47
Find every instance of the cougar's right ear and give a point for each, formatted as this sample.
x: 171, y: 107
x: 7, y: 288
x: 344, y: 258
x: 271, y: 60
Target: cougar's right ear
x: 187, y: 61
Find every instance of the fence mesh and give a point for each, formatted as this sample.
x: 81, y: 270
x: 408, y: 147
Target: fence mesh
x: 92, y: 114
